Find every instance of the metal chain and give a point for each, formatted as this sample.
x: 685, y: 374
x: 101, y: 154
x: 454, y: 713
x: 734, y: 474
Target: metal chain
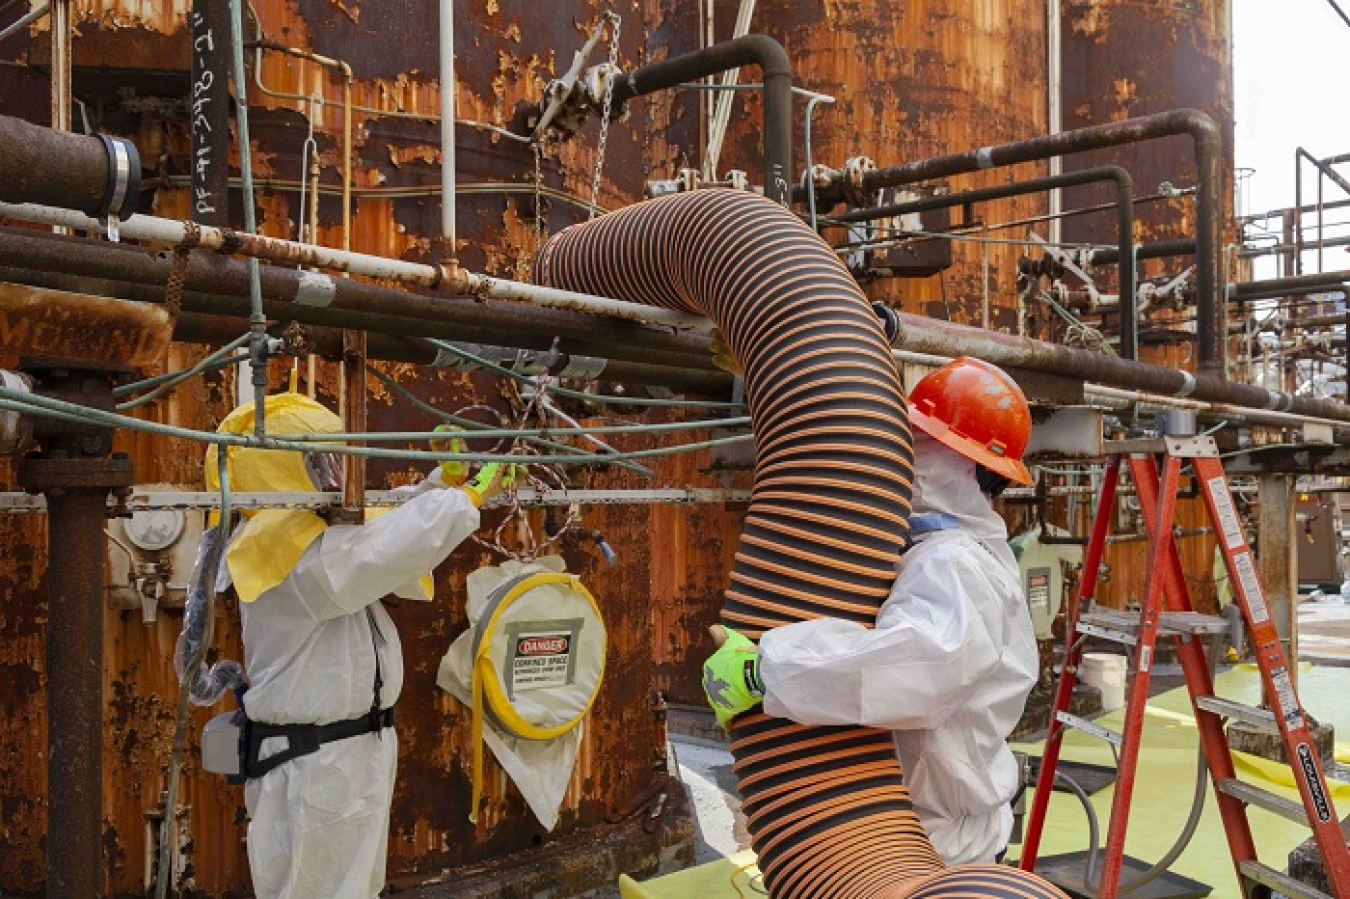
x: 539, y: 218
x: 173, y: 288
x: 606, y: 106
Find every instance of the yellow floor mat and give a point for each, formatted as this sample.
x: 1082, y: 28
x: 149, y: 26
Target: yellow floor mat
x: 1162, y: 796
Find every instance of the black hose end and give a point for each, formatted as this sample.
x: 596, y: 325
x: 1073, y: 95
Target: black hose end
x: 123, y: 191
x: 890, y: 322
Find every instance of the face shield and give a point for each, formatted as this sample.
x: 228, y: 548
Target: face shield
x: 325, y: 471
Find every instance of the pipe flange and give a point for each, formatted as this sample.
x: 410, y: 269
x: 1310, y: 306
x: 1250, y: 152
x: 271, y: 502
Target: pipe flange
x: 852, y: 175
x: 123, y: 191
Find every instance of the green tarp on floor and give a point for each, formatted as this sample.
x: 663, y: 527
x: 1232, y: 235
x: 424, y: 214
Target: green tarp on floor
x: 1163, y: 791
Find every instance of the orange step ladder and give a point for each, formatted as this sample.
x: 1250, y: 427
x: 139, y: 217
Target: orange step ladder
x: 1167, y: 611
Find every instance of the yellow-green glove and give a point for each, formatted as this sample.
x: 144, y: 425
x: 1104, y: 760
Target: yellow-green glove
x: 452, y: 470
x: 491, y: 480
x: 731, y: 675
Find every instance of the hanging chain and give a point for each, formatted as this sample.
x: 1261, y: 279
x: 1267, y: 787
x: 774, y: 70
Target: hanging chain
x: 539, y: 217
x: 606, y: 106
x: 173, y: 288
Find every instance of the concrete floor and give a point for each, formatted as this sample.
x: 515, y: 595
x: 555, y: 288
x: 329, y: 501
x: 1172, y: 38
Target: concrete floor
x: 1324, y: 631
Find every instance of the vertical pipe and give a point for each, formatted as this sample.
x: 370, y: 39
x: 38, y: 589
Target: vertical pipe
x: 1277, y: 562
x: 257, y: 320
x: 60, y: 26
x: 74, y: 691
x: 209, y: 109
x: 1055, y: 107
x: 448, y: 125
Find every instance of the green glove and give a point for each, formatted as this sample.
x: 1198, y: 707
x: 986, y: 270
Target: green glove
x: 452, y: 469
x: 731, y: 676
x: 486, y: 484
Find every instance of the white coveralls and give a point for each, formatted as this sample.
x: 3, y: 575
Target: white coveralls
x: 948, y: 666
x: 320, y: 823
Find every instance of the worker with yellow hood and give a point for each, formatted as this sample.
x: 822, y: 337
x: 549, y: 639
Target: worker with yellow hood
x: 323, y: 658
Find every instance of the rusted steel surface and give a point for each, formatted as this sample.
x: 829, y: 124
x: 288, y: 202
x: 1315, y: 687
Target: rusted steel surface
x: 35, y: 321
x: 39, y: 165
x: 1123, y: 59
x: 913, y: 79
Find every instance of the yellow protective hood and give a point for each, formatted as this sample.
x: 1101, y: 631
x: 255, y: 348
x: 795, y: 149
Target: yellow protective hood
x: 273, y: 540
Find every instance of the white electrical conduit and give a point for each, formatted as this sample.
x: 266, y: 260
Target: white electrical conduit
x: 448, y: 125
x: 449, y: 280
x: 725, y: 99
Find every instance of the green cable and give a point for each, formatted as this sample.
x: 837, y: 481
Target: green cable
x: 500, y: 433
x: 576, y: 394
x: 16, y: 401
x: 477, y: 426
x: 215, y: 360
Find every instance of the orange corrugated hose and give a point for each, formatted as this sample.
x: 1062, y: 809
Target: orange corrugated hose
x: 827, y: 809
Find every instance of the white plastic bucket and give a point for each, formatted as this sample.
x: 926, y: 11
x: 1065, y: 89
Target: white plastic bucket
x: 1106, y: 672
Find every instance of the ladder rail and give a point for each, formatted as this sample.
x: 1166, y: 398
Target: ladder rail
x: 1199, y: 679
x: 1068, y: 675
x: 1160, y: 539
x: 1274, y: 666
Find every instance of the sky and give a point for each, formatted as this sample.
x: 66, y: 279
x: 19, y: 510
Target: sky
x: 1290, y: 59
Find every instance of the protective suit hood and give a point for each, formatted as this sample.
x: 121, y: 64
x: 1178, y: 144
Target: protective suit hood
x: 268, y: 546
x: 944, y: 483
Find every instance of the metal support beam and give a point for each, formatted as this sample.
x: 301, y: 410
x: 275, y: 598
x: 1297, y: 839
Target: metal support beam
x: 1277, y: 559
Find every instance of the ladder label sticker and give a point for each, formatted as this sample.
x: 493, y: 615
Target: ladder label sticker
x: 1314, y: 782
x: 1251, y: 588
x: 1145, y: 658
x: 1285, y: 696
x: 1229, y: 522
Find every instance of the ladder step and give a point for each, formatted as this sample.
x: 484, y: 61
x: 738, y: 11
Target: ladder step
x: 1123, y: 627
x: 1279, y: 881
x: 1245, y: 792
x: 1263, y: 719
x: 1087, y: 727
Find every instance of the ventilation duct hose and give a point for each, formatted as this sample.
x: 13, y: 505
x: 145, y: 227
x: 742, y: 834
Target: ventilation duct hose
x: 827, y: 808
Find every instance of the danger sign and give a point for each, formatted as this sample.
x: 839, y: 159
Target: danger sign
x: 540, y: 655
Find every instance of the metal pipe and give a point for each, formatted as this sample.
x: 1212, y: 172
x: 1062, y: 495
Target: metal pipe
x: 1208, y: 143
x: 753, y: 49
x: 60, y: 75
x: 72, y: 171
x: 448, y: 279
x: 925, y: 335
x: 1125, y: 257
x: 1162, y: 249
x: 28, y: 19
x: 448, y: 126
x: 76, y: 491
x: 1055, y: 106
x: 219, y: 285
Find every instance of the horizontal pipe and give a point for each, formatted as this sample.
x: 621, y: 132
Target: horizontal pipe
x: 67, y: 170
x: 931, y: 336
x: 327, y: 342
x: 1208, y: 142
x: 217, y: 284
x: 31, y: 17
x: 1276, y: 287
x: 1162, y: 249
x: 445, y: 279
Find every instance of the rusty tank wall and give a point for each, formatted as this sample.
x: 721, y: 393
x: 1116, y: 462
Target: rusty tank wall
x: 131, y: 63
x: 1121, y: 59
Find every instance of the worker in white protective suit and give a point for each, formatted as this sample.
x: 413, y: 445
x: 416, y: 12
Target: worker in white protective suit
x: 322, y: 655
x: 953, y: 655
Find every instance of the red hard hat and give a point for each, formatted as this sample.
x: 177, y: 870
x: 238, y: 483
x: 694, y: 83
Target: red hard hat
x: 977, y: 410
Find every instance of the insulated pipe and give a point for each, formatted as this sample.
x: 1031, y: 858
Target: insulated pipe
x: 99, y: 175
x: 753, y: 49
x: 1208, y: 141
x: 1125, y: 257
x: 218, y: 284
x: 449, y: 279
x: 827, y: 808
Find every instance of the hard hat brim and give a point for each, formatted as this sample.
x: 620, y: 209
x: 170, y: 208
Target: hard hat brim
x: 1012, y: 469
